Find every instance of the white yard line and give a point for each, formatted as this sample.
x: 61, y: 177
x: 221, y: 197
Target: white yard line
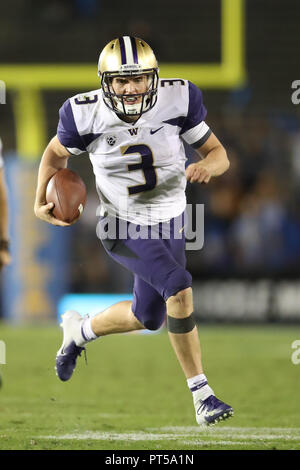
x: 112, y: 436
x: 212, y: 443
x: 221, y: 428
x: 195, y: 435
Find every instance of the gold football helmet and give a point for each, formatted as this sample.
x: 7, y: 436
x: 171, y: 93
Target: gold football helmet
x: 128, y: 56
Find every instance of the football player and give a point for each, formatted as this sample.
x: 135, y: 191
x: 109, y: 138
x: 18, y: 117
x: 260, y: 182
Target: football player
x: 133, y: 129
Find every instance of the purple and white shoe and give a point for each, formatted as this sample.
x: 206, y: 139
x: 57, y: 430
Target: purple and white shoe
x: 71, y: 347
x: 66, y: 361
x: 212, y: 410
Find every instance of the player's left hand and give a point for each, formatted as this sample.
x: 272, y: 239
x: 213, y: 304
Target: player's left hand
x: 196, y: 173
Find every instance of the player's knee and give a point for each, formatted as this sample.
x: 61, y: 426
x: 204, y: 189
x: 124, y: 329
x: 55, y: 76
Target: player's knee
x: 183, y: 296
x: 181, y: 303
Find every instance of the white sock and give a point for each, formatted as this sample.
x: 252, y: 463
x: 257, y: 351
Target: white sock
x: 199, y: 387
x: 87, y: 331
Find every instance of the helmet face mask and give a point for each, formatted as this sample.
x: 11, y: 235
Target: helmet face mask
x: 128, y: 58
x: 119, y: 103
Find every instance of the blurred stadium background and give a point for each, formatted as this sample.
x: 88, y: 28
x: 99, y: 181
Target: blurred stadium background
x: 244, y: 55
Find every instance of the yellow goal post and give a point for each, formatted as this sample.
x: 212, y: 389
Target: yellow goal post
x: 27, y: 81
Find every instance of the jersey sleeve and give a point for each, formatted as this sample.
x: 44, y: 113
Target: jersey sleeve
x: 67, y: 131
x: 194, y: 130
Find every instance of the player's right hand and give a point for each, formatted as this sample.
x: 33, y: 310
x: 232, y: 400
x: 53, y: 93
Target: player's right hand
x: 44, y: 212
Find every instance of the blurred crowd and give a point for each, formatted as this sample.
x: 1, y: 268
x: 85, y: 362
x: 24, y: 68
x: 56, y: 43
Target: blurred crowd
x: 252, y: 220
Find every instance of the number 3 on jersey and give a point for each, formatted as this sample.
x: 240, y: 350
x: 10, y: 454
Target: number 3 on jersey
x: 146, y: 165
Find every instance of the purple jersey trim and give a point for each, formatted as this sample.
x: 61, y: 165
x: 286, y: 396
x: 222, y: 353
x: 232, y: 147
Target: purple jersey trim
x: 67, y: 132
x: 202, y: 140
x: 179, y: 121
x: 196, y: 111
x: 89, y: 138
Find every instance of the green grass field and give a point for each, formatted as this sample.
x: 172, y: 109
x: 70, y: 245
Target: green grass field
x: 133, y: 395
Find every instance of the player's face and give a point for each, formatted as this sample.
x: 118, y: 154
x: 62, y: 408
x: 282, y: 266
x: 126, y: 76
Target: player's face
x: 130, y: 86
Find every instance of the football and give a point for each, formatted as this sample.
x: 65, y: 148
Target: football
x: 68, y: 193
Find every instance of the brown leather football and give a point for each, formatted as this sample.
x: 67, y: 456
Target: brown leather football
x: 68, y: 193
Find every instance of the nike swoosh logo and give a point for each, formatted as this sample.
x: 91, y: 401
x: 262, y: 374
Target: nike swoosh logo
x: 156, y: 130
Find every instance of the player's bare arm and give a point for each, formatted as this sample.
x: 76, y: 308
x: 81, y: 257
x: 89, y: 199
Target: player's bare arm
x: 214, y: 162
x: 54, y: 158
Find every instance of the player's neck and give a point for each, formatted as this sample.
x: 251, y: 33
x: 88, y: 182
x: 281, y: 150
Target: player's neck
x: 129, y: 119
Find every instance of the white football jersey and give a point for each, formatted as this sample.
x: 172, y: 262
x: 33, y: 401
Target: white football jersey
x: 139, y: 167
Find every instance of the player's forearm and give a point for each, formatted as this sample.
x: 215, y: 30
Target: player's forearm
x: 216, y: 161
x: 51, y: 162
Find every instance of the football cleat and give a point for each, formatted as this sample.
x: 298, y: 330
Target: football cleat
x: 66, y: 357
x: 66, y: 361
x: 212, y: 410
